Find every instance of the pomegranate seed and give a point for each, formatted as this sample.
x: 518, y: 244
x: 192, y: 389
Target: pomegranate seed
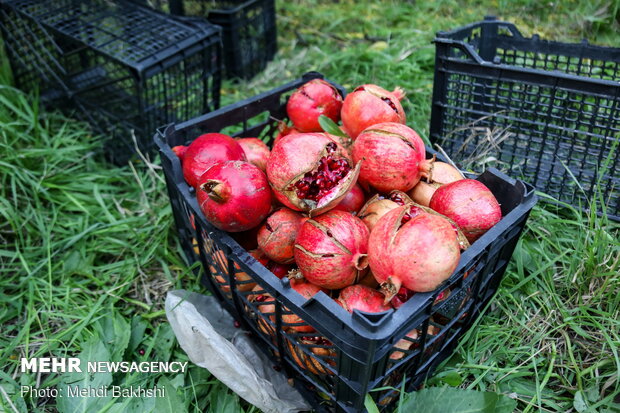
x: 237, y: 324
x: 141, y: 352
x: 389, y: 102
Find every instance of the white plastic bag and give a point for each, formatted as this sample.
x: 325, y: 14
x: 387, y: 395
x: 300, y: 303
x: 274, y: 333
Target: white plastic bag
x: 207, y: 334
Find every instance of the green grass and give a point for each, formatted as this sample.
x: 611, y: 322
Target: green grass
x: 87, y: 248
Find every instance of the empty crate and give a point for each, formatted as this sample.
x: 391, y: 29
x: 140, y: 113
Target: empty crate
x: 120, y: 66
x: 546, y: 111
x: 248, y: 29
x: 346, y: 355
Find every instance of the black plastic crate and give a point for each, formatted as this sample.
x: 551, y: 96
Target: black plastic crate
x: 356, y: 352
x: 120, y: 66
x: 552, y: 109
x: 248, y: 29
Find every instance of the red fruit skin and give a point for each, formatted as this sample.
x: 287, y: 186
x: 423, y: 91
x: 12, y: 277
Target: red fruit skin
x: 256, y: 151
x: 279, y: 270
x: 234, y: 196
x: 353, y: 201
x: 276, y: 237
x: 379, y: 205
x: 368, y: 105
x: 283, y: 130
x: 470, y: 204
x: 419, y: 254
x: 311, y: 100
x: 362, y: 298
x: 207, y: 150
x: 392, y: 157
x: 441, y: 173
x: 331, y: 249
x: 296, y: 154
x: 179, y: 151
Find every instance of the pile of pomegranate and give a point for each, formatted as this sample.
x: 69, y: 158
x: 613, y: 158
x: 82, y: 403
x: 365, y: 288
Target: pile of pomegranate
x: 357, y: 211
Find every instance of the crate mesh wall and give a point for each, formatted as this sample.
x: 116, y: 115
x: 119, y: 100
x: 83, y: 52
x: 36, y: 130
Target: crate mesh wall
x: 557, y: 136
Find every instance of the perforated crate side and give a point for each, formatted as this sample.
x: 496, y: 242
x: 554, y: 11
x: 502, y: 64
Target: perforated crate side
x: 349, y: 354
x: 548, y: 112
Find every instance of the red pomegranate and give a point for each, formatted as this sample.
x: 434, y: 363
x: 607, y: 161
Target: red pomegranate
x: 207, y: 150
x: 256, y: 151
x: 283, y: 130
x: 276, y: 237
x: 330, y: 249
x: 470, y: 204
x: 392, y: 157
x: 352, y: 201
x: 313, y: 99
x: 368, y: 105
x: 179, y: 151
x: 412, y: 248
x: 379, y: 205
x: 279, y: 270
x: 310, y: 172
x: 362, y: 298
x: 243, y: 281
x: 441, y: 173
x: 234, y: 195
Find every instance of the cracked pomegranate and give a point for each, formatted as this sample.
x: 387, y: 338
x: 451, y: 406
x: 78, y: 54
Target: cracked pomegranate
x: 362, y: 298
x: 392, y: 157
x: 412, y: 248
x: 368, y: 105
x: 441, y: 173
x: 313, y: 99
x: 330, y: 249
x: 353, y: 200
x: 310, y: 172
x: 379, y: 205
x: 234, y: 196
x: 276, y: 237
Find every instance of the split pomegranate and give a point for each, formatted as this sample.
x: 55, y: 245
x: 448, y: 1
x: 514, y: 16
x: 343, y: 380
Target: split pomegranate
x: 470, y: 204
x: 352, y: 201
x: 392, y: 157
x: 310, y: 172
x: 368, y: 105
x: 276, y: 237
x: 207, y: 150
x: 441, y: 173
x: 379, y: 205
x: 362, y: 298
x: 256, y: 151
x: 234, y: 196
x: 412, y: 248
x: 313, y: 99
x: 330, y: 249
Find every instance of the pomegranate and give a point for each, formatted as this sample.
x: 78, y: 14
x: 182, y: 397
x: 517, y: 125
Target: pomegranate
x: 412, y: 248
x: 246, y: 239
x: 313, y: 99
x: 379, y: 205
x: 207, y: 150
x: 368, y: 105
x: 279, y: 270
x: 243, y: 281
x: 441, y: 173
x: 330, y: 249
x: 276, y: 237
x: 283, y: 130
x: 470, y: 204
x: 234, y: 195
x: 291, y: 322
x: 352, y: 201
x: 256, y: 151
x: 362, y: 298
x: 411, y: 341
x: 320, y: 356
x: 265, y: 306
x: 392, y: 157
x: 310, y: 172
x: 405, y: 294
x: 369, y: 280
x: 179, y: 151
